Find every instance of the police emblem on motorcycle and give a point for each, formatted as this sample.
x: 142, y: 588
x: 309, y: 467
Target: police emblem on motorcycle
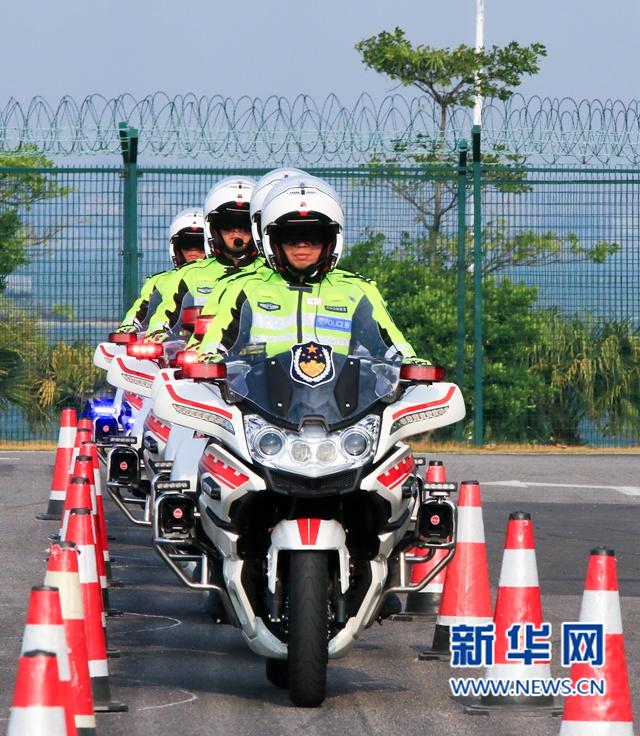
x: 312, y: 363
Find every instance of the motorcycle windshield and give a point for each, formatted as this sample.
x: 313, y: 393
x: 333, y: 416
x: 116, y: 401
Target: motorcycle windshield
x: 311, y: 381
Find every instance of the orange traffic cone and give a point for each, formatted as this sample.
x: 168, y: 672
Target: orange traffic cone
x: 62, y: 572
x: 78, y: 497
x: 610, y: 713
x: 466, y: 598
x: 66, y: 440
x: 80, y: 532
x: 92, y: 450
x: 426, y: 602
x: 518, y: 602
x: 38, y: 702
x: 84, y: 471
x: 44, y: 630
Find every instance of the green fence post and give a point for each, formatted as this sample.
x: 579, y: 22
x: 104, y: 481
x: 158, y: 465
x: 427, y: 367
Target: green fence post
x: 478, y: 419
x: 463, y: 147
x: 129, y: 148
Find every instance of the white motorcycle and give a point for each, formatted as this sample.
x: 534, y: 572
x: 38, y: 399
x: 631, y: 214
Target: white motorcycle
x: 306, y: 502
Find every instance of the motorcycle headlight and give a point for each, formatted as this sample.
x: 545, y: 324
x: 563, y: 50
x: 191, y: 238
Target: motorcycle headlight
x: 270, y: 442
x: 300, y: 452
x: 326, y: 453
x: 312, y: 451
x: 355, y: 442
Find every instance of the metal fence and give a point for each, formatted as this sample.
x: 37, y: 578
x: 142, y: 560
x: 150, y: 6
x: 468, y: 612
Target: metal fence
x: 556, y: 253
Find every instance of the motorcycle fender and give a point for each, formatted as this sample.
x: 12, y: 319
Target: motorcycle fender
x: 200, y: 407
x: 132, y: 374
x: 423, y: 408
x: 389, y: 477
x: 186, y: 459
x: 139, y: 420
x: 257, y: 635
x: 105, y: 353
x: 308, y: 534
x: 177, y: 436
x: 343, y: 641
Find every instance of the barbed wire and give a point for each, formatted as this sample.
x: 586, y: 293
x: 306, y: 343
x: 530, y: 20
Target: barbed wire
x: 277, y: 130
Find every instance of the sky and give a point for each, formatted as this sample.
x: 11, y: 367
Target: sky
x: 208, y: 47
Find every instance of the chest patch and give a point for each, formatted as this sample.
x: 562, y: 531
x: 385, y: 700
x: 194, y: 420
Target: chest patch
x: 269, y: 306
x: 333, y: 323
x: 312, y: 363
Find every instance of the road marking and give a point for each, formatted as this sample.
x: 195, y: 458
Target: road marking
x: 176, y: 622
x: 190, y: 699
x: 625, y: 490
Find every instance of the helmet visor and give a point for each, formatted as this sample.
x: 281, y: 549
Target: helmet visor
x: 294, y: 234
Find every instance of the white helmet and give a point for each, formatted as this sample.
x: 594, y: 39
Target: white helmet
x: 227, y: 203
x: 262, y: 188
x: 302, y: 202
x: 186, y: 228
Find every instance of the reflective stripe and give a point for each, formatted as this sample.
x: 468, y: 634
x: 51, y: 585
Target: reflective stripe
x: 270, y: 321
x: 37, y: 720
x: 519, y: 569
x: 595, y: 728
x: 602, y: 607
x: 470, y: 525
x: 51, y: 638
x: 85, y: 721
x: 69, y: 591
x: 469, y: 620
x: 57, y: 495
x: 87, y: 563
x: 98, y: 668
x: 67, y: 437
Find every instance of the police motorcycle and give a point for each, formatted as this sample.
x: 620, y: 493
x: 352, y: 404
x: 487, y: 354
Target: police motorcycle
x: 132, y: 441
x: 306, y: 503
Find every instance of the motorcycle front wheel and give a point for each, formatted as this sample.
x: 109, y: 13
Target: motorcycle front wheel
x: 308, y: 626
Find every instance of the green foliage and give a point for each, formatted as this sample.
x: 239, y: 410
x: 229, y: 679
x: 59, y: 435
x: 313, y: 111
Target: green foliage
x: 40, y: 378
x: 451, y: 76
x: 544, y: 374
x: 19, y: 191
x: 591, y: 368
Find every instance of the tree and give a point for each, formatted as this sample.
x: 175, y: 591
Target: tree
x: 545, y: 374
x: 451, y: 78
x: 23, y: 184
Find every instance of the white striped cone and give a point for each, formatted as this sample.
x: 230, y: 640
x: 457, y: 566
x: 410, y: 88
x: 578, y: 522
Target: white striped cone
x: 38, y: 705
x: 466, y: 598
x: 62, y: 463
x: 44, y: 630
x: 62, y: 572
x: 80, y: 532
x: 518, y: 601
x: 609, y: 714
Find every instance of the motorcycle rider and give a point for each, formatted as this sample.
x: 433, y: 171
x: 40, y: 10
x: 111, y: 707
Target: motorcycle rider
x: 258, y: 196
x: 299, y: 298
x: 186, y: 245
x: 228, y: 247
x: 300, y: 302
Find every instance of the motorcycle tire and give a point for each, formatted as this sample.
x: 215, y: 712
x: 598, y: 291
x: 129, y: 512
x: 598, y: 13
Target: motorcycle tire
x: 278, y: 672
x: 308, y: 627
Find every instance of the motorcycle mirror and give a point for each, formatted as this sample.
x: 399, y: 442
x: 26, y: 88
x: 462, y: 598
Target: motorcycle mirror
x: 122, y: 338
x: 421, y: 373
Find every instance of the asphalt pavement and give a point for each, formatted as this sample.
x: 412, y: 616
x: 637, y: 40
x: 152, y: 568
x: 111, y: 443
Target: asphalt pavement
x: 180, y: 673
